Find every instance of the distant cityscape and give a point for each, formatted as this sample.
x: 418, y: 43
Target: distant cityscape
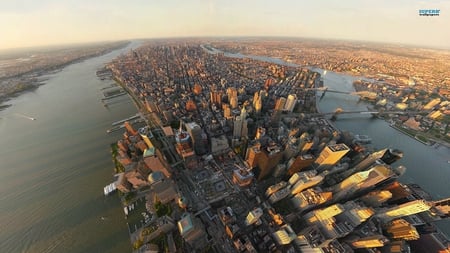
x: 231, y: 154
x: 28, y: 69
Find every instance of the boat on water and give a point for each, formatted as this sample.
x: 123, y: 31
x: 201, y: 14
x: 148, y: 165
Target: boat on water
x: 25, y: 116
x: 364, y: 139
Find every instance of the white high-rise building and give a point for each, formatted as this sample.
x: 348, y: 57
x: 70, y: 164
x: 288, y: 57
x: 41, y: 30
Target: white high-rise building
x: 240, y: 125
x: 290, y: 103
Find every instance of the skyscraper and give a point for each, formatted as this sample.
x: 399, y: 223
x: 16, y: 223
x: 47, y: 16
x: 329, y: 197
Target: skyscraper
x: 432, y: 104
x: 443, y: 206
x: 242, y: 177
x: 233, y: 102
x: 401, y: 229
x: 232, y: 97
x: 240, y: 125
x: 268, y: 159
x: 227, y: 112
x: 279, y: 106
x: 237, y: 129
x: 146, y: 134
x: 408, y: 208
x: 299, y: 163
x: 184, y: 149
x: 257, y: 102
x: 253, y: 155
x: 373, y: 241
x: 216, y: 97
x: 363, y: 180
x: 196, y: 133
x: 253, y: 216
x: 260, y: 132
x: 329, y: 156
x: 290, y: 103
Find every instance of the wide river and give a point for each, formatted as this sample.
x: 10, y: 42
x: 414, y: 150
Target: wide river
x: 53, y: 169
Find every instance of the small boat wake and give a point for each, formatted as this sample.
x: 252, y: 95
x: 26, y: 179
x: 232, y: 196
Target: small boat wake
x: 25, y: 116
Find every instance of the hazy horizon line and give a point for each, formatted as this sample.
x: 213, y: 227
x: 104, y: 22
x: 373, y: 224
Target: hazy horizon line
x: 63, y: 45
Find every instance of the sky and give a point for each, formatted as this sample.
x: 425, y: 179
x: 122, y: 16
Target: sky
x: 26, y: 23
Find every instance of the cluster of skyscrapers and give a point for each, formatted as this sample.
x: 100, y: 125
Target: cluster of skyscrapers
x: 249, y: 173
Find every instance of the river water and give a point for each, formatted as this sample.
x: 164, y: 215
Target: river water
x: 53, y: 169
x: 426, y: 165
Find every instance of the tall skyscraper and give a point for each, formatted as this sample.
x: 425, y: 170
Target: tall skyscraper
x: 310, y: 198
x: 244, y: 130
x: 268, y: 159
x: 376, y: 198
x: 253, y: 155
x: 192, y: 231
x: 409, y: 208
x: 237, y: 129
x: 232, y: 97
x: 329, y: 156
x: 305, y: 182
x: 279, y: 106
x: 373, y: 241
x: 299, y: 163
x: 253, y: 216
x: 243, y: 113
x: 146, y: 134
x: 403, y: 230
x: 388, y: 156
x: 240, y: 125
x: 291, y: 149
x: 196, y: 133
x: 184, y: 148
x: 257, y: 102
x: 432, y: 104
x: 242, y: 177
x: 234, y: 102
x: 216, y: 97
x: 363, y: 180
x: 290, y: 103
x: 443, y: 207
x: 260, y: 132
x: 227, y: 111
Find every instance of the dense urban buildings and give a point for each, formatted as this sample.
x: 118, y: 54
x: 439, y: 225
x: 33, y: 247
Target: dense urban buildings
x: 235, y: 153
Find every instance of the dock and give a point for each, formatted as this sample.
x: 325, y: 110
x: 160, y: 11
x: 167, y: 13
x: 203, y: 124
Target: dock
x: 121, y: 126
x: 109, y: 189
x: 127, y: 119
x: 115, y: 95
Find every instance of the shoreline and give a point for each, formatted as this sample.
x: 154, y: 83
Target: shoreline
x: 37, y: 77
x: 408, y: 134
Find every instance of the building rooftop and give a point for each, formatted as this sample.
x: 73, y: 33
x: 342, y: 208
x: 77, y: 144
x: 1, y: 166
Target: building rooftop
x: 185, y: 224
x: 149, y: 152
x: 338, y: 147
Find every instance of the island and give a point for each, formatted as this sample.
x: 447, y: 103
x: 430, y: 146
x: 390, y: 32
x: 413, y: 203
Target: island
x: 234, y: 156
